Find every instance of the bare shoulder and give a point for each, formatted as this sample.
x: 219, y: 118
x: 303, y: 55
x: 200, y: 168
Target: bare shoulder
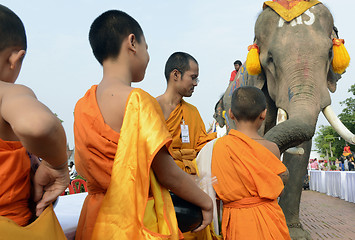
x: 272, y: 147
x: 162, y: 100
x: 112, y: 99
x: 13, y: 93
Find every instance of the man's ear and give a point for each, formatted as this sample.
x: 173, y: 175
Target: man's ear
x: 263, y: 115
x: 231, y: 114
x: 132, y: 42
x: 175, y: 74
x: 16, y: 58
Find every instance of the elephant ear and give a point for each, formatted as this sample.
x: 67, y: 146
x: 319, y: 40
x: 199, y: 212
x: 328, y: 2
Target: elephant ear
x: 255, y: 80
x: 333, y: 79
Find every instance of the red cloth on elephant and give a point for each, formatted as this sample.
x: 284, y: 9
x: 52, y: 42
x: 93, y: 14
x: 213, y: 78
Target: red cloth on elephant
x: 287, y: 3
x: 248, y: 184
x: 289, y: 10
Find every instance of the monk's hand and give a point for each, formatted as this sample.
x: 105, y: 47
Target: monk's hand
x: 207, y: 213
x: 49, y: 183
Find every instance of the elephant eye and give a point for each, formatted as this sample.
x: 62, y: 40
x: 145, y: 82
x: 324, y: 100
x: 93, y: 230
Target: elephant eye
x: 270, y: 59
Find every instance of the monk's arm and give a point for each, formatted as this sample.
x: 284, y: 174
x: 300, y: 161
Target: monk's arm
x: 180, y: 183
x: 284, y: 176
x: 42, y: 134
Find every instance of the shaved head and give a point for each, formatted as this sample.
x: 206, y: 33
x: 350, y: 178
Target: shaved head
x: 248, y: 103
x: 12, y: 31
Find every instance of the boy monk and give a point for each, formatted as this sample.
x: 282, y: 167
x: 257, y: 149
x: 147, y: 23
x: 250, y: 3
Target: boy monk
x: 26, y: 126
x: 183, y: 119
x: 121, y: 145
x: 247, y: 168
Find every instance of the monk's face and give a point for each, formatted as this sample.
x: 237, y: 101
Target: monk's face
x: 141, y: 61
x: 189, y: 80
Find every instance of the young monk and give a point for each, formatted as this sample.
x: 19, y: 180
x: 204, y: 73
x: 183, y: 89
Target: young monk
x: 121, y: 143
x: 26, y: 126
x: 183, y: 120
x: 247, y: 168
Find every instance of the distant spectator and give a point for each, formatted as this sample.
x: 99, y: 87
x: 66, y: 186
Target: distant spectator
x: 237, y: 65
x: 346, y: 164
x: 341, y: 164
x: 350, y: 163
x: 314, y: 164
x: 347, y: 148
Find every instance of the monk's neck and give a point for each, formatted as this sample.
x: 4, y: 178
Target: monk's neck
x: 168, y: 102
x: 117, y: 72
x: 249, y: 129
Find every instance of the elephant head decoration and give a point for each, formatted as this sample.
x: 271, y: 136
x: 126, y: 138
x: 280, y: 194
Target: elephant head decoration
x: 295, y: 50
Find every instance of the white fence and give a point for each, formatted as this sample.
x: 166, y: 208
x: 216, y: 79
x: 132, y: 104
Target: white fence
x: 339, y: 184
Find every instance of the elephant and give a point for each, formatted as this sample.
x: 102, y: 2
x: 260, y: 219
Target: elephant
x: 296, y: 77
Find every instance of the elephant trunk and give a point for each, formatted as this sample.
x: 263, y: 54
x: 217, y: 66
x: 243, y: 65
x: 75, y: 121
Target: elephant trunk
x: 291, y: 133
x: 302, y: 110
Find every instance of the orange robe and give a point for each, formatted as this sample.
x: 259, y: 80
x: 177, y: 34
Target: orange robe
x: 95, y: 149
x: 15, y: 182
x: 185, y: 154
x: 248, y: 184
x: 117, y: 168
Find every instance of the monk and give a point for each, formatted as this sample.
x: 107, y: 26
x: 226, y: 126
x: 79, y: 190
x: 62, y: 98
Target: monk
x: 121, y: 143
x: 249, y: 173
x: 27, y: 127
x: 183, y: 119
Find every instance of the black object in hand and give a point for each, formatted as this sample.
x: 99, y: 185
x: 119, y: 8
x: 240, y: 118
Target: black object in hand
x: 189, y: 216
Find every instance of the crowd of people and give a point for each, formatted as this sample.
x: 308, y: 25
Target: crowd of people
x: 133, y: 148
x: 345, y: 162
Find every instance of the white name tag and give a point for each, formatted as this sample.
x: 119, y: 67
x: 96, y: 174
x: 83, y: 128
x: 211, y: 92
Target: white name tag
x: 185, y: 138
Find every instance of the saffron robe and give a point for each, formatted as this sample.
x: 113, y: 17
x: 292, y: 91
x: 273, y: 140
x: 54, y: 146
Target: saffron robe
x: 248, y: 184
x: 185, y: 154
x: 95, y: 149
x: 46, y: 226
x: 15, y: 182
x: 124, y: 211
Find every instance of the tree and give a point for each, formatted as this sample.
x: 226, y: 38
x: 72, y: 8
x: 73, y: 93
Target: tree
x: 348, y: 114
x: 327, y: 140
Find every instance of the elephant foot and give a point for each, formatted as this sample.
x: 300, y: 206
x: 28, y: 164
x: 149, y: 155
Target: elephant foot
x: 297, y: 232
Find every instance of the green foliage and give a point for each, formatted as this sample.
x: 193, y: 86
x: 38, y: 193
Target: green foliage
x: 326, y: 136
x: 348, y: 114
x: 328, y: 139
x: 333, y: 167
x: 333, y: 159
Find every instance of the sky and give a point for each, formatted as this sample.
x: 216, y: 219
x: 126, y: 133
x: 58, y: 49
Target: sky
x: 60, y: 67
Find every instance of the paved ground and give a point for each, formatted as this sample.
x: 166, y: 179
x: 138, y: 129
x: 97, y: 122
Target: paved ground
x: 326, y: 217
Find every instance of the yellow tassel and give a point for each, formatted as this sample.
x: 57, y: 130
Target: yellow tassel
x: 224, y: 115
x: 253, y: 61
x: 341, y: 58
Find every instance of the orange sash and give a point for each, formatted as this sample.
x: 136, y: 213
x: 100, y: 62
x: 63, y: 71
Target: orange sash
x: 126, y: 212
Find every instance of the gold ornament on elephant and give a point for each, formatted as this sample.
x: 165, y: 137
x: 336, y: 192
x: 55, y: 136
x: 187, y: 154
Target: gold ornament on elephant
x: 253, y: 61
x: 341, y: 58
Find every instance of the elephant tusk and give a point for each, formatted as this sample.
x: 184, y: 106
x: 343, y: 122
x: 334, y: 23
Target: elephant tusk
x: 281, y: 117
x: 295, y: 150
x: 338, y: 125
